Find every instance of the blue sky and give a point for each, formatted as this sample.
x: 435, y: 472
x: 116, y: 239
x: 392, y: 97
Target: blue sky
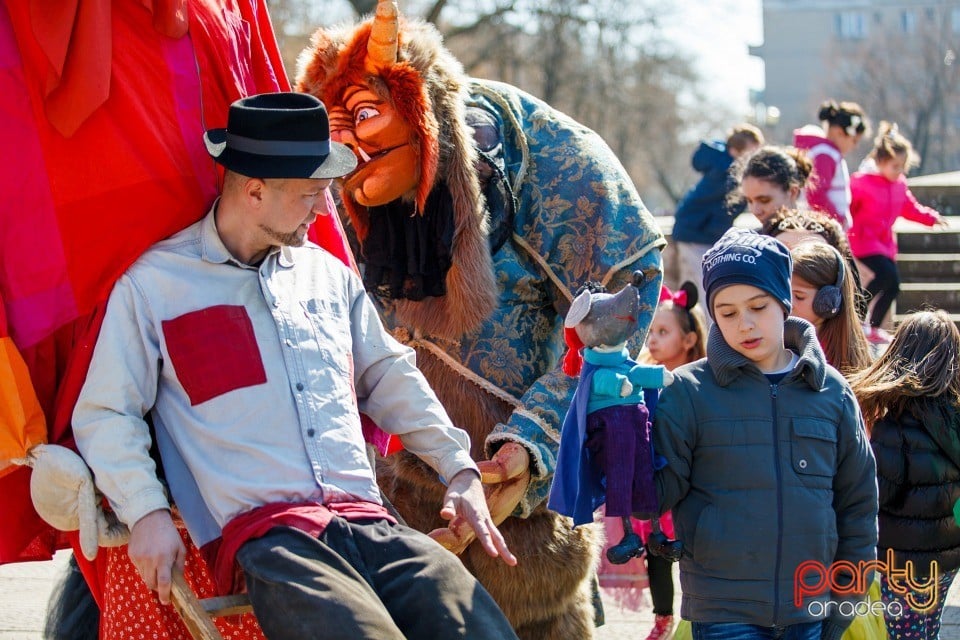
x: 716, y: 33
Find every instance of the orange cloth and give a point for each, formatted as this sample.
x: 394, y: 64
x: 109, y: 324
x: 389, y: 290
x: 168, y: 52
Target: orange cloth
x: 21, y: 420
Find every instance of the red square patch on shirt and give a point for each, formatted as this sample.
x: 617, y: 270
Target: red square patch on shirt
x: 214, y: 350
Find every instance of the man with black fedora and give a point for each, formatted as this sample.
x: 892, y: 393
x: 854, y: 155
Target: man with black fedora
x: 254, y: 351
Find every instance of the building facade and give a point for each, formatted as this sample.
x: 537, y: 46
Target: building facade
x: 811, y: 46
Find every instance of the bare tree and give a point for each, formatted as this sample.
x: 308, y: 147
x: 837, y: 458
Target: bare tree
x: 912, y: 79
x: 604, y: 62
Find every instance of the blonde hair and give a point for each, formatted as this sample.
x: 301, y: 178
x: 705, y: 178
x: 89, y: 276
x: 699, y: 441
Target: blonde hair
x: 691, y: 320
x: 890, y: 143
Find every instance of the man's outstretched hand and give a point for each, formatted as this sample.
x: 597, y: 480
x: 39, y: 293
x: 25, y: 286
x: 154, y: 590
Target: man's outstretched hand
x: 465, y: 506
x: 506, y: 477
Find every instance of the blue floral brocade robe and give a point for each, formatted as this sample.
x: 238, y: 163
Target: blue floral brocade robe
x: 579, y: 218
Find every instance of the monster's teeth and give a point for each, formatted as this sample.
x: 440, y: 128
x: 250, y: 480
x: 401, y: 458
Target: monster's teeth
x: 363, y: 154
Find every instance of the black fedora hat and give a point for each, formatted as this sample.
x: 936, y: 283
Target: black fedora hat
x: 279, y: 135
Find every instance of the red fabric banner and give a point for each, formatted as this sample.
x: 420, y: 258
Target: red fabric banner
x: 91, y: 189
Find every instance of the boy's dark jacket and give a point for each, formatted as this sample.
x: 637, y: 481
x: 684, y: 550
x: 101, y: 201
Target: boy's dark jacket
x: 918, y: 472
x: 762, y: 478
x: 703, y: 214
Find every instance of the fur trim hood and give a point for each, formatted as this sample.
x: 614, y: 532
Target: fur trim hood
x: 428, y: 88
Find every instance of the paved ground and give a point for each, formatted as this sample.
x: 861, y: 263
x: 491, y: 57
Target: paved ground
x: 25, y: 588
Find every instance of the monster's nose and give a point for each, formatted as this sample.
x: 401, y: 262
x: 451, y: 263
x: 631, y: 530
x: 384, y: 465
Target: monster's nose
x: 345, y: 137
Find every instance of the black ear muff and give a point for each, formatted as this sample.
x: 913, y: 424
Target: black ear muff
x: 829, y: 299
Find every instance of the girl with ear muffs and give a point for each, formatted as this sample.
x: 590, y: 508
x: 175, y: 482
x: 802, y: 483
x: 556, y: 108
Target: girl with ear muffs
x: 793, y: 226
x: 824, y: 295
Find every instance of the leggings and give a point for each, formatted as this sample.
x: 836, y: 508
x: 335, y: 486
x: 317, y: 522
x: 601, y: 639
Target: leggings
x: 912, y: 625
x: 660, y: 572
x: 884, y: 287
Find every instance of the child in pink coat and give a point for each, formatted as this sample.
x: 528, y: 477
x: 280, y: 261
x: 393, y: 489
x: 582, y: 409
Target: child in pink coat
x: 880, y: 196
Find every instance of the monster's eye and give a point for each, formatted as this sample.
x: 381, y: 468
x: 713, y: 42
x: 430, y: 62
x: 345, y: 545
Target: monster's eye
x: 364, y: 113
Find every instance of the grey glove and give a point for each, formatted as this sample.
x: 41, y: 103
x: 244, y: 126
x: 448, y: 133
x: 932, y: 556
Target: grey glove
x: 64, y: 495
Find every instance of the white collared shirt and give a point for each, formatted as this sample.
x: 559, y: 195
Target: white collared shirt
x: 257, y: 373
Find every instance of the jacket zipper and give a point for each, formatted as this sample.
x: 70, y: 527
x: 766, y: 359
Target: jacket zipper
x: 776, y: 457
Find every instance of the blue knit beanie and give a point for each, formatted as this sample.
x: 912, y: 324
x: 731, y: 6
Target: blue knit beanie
x: 746, y: 257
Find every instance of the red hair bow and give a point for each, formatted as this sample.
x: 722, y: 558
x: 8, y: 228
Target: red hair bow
x: 679, y: 298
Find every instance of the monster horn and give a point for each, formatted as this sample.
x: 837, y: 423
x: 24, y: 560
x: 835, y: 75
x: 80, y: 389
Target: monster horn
x: 382, y: 46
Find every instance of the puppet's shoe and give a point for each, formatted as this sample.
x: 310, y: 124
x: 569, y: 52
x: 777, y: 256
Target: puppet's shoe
x: 662, y: 628
x: 630, y: 547
x: 662, y: 547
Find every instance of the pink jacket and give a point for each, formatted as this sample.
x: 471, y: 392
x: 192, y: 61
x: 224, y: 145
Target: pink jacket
x: 876, y: 205
x: 828, y: 190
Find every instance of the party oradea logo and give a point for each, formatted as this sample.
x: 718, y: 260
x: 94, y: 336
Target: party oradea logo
x: 845, y: 580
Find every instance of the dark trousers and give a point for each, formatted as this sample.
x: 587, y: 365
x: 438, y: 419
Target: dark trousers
x: 884, y: 287
x: 367, y: 579
x: 660, y: 572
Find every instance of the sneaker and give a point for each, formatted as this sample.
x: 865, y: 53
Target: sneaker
x: 876, y: 335
x: 662, y: 628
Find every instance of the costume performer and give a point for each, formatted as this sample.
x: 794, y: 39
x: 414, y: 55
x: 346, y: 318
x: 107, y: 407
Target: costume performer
x: 476, y: 207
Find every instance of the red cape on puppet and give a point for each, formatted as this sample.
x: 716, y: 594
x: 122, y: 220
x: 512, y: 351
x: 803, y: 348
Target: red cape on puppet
x: 105, y: 106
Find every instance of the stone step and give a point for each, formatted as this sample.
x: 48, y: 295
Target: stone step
x: 900, y: 317
x: 941, y: 295
x: 928, y: 241
x: 929, y: 267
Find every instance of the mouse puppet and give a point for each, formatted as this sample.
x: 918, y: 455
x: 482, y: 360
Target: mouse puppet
x: 606, y: 455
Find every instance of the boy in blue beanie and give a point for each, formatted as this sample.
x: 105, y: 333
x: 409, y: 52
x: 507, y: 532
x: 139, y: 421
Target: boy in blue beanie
x: 769, y: 471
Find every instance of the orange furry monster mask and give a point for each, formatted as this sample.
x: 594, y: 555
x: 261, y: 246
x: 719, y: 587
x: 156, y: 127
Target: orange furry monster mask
x: 397, y: 97
x: 380, y: 106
